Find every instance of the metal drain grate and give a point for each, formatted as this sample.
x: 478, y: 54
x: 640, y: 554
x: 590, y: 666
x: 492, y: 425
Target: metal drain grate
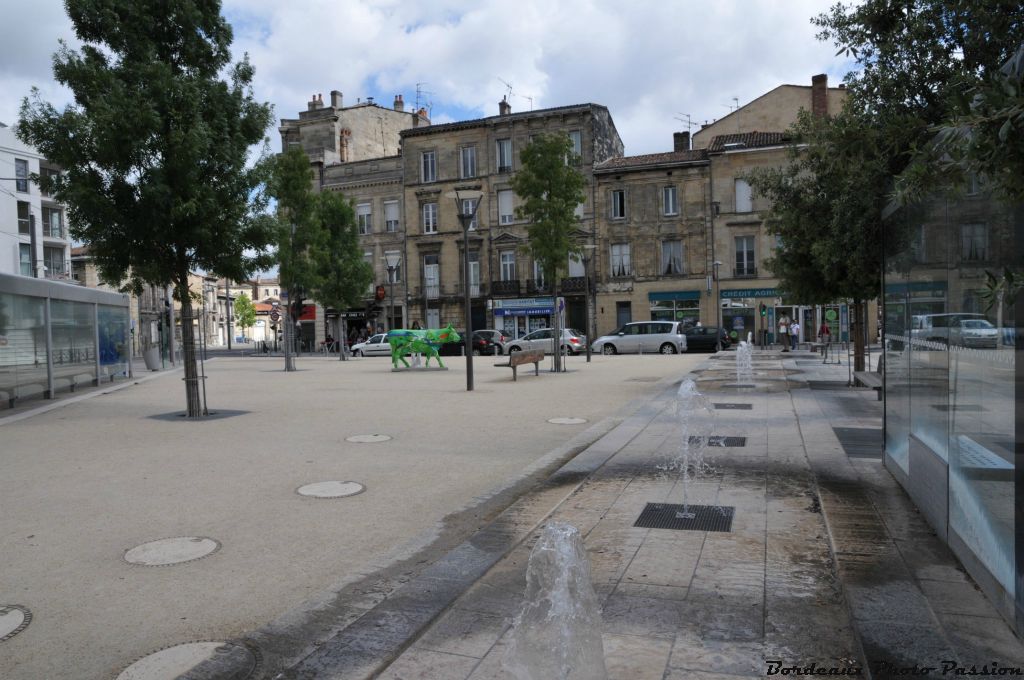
x: 860, y: 442
x: 734, y: 407
x: 726, y: 442
x: 698, y: 517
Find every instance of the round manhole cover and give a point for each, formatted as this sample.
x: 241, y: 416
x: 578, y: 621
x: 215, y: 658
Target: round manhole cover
x: 195, y: 661
x: 13, y: 619
x: 567, y: 421
x: 331, y: 489
x: 367, y: 438
x: 171, y: 551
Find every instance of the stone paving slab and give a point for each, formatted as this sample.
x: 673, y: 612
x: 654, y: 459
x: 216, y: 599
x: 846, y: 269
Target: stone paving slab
x: 823, y: 565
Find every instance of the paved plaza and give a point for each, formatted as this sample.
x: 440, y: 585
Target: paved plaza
x: 419, y: 573
x: 85, y: 483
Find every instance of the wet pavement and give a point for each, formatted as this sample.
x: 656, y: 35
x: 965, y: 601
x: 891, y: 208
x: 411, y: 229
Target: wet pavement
x: 828, y: 568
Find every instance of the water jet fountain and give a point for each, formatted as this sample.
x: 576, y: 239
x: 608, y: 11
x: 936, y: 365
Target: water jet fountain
x: 557, y: 633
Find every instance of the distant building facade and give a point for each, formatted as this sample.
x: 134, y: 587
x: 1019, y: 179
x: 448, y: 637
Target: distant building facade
x: 33, y: 225
x: 652, y: 226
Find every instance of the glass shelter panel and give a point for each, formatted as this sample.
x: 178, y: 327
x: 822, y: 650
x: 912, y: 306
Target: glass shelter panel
x: 949, y: 348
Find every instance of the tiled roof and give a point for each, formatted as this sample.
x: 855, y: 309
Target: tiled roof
x: 749, y: 140
x: 691, y: 156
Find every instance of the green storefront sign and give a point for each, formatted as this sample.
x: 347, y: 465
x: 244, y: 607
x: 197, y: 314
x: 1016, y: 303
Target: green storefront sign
x: 750, y: 293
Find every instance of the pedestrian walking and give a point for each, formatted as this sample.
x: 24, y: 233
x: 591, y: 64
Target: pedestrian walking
x: 794, y: 334
x: 784, y: 333
x: 824, y: 334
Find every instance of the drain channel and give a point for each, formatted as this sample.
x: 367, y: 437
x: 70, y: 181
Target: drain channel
x: 686, y: 517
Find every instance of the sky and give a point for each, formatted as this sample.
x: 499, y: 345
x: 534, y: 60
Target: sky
x: 652, y: 63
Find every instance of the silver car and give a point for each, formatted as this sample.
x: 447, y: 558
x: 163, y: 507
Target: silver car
x: 377, y: 345
x: 666, y: 337
x: 544, y: 338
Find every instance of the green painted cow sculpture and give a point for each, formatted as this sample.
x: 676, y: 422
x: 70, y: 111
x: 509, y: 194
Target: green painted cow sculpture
x: 405, y: 341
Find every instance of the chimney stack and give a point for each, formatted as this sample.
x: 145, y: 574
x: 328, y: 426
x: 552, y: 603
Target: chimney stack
x: 504, y: 108
x: 681, y: 141
x: 819, y: 94
x: 335, y: 99
x: 399, y: 104
x: 311, y: 104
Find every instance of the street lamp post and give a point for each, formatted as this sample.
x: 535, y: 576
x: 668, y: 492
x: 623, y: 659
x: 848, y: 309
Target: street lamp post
x: 392, y: 260
x: 464, y: 196
x: 587, y: 251
x: 718, y: 308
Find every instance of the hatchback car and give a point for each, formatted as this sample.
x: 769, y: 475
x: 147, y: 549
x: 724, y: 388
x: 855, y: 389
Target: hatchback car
x: 703, y: 337
x: 377, y: 345
x: 666, y: 337
x: 493, y: 341
x: 572, y: 340
x: 975, y: 333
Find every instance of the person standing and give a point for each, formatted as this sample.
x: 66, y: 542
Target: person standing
x: 784, y: 333
x: 794, y: 334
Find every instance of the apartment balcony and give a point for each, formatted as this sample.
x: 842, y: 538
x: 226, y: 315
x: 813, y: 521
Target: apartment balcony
x: 574, y: 284
x: 505, y: 288
x: 744, y: 272
x: 432, y: 291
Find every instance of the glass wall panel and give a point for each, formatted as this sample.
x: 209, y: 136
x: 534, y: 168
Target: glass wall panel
x: 74, y: 338
x: 950, y: 362
x: 22, y: 347
x: 113, y: 340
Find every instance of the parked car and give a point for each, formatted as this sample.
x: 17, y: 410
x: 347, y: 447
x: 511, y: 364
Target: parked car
x: 377, y: 345
x: 496, y: 341
x: 974, y: 333
x: 544, y: 338
x: 666, y: 337
x: 703, y: 337
x: 935, y: 328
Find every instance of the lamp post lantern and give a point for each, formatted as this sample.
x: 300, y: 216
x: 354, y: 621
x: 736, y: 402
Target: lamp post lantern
x: 718, y: 308
x: 393, y: 260
x: 586, y: 257
x: 467, y: 201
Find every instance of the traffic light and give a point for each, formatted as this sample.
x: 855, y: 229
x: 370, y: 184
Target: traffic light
x: 764, y: 309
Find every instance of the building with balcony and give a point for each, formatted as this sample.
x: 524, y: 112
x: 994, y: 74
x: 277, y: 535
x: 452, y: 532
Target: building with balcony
x: 33, y: 226
x: 653, y: 226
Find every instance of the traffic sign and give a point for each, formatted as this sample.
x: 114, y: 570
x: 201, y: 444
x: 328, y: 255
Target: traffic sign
x: 275, y: 316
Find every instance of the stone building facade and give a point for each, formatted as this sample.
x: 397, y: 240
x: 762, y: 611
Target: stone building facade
x: 653, y: 226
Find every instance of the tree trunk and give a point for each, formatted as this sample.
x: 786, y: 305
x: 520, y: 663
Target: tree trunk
x: 557, y: 339
x: 289, y: 362
x: 857, y: 329
x: 193, y: 405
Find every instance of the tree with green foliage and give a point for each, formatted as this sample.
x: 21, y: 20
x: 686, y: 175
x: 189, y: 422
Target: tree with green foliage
x: 318, y: 244
x: 827, y: 208
x: 550, y: 188
x: 299, y: 236
x: 154, y: 148
x: 917, y: 62
x: 245, y: 312
x: 343, y: 273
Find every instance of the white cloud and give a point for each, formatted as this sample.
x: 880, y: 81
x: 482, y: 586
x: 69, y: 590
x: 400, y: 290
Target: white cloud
x: 647, y: 61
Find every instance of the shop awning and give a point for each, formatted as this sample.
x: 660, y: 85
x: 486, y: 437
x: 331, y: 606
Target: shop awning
x: 674, y: 295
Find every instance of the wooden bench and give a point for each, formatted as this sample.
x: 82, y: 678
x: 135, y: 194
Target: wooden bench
x: 872, y: 379
x: 516, y: 359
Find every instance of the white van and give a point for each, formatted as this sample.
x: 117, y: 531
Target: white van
x: 666, y: 337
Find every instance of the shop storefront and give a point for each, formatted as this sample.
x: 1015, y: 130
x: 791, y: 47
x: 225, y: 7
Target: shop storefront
x: 680, y: 305
x: 517, y: 317
x: 741, y: 312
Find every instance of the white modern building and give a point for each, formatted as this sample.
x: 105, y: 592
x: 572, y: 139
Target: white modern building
x: 33, y: 226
